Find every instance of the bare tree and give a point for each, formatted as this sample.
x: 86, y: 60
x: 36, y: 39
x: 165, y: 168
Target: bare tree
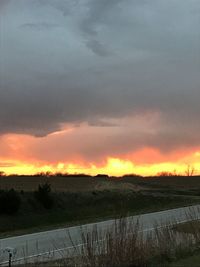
x: 190, y: 170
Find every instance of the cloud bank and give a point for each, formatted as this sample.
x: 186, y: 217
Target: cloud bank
x: 98, y: 62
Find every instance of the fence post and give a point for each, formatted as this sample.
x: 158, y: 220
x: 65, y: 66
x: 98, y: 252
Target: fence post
x: 11, y: 252
x: 10, y: 259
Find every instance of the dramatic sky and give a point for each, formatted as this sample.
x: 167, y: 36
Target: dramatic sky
x: 99, y: 85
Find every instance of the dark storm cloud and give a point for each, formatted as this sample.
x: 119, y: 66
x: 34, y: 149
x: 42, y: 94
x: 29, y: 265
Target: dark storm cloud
x: 65, y: 7
x: 97, y: 48
x: 40, y: 26
x: 95, y: 15
x: 101, y: 59
x: 3, y: 3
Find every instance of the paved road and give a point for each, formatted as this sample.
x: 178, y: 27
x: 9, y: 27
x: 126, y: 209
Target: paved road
x: 55, y: 243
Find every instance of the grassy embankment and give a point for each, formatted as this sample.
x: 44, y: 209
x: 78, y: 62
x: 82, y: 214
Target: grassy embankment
x: 191, y: 228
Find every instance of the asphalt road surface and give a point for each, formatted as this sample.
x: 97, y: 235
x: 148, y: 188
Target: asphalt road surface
x: 56, y: 243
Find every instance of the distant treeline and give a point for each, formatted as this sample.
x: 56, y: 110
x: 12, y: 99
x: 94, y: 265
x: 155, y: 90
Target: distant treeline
x: 60, y: 174
x: 190, y: 171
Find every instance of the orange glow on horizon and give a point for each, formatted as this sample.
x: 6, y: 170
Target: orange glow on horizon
x: 113, y: 166
x: 65, y: 152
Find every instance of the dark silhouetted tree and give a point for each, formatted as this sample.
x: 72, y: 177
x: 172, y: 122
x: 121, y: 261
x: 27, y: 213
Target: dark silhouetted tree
x: 44, y: 196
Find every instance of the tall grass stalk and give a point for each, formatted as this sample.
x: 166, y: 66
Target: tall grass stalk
x: 125, y: 244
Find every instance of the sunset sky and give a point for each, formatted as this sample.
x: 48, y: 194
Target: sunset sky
x: 99, y: 86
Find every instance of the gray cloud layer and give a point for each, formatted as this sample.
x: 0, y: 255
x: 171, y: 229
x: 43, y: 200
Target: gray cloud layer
x: 70, y: 61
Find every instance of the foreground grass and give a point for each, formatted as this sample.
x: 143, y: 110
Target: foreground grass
x: 125, y: 245
x: 192, y: 261
x: 189, y: 227
x: 192, y: 228
x: 83, y: 207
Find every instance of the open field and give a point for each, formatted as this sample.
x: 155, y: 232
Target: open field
x: 77, y: 208
x: 79, y: 200
x: 87, y: 183
x: 30, y: 183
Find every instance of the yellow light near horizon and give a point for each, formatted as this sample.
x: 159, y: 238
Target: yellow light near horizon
x: 113, y: 166
x: 60, y: 166
x: 118, y: 167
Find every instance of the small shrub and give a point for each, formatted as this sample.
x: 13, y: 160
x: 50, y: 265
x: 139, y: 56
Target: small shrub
x: 10, y: 201
x: 43, y: 195
x: 22, y: 192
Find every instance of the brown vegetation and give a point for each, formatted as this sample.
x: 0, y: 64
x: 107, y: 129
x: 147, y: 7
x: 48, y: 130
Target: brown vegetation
x: 124, y: 244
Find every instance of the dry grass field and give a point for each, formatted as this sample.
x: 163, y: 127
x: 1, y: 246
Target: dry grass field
x: 175, y: 182
x: 30, y: 183
x: 67, y: 184
x: 84, y: 183
x: 80, y: 199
